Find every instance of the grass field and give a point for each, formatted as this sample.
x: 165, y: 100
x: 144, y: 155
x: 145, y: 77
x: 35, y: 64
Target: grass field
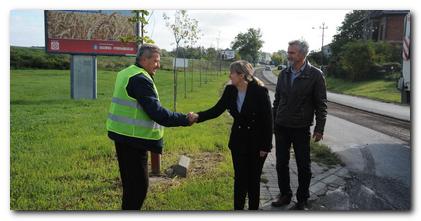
x: 62, y: 159
x: 374, y: 89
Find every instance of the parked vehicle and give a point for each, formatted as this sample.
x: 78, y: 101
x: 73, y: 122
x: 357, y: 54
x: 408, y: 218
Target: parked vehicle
x: 267, y: 68
x: 282, y: 67
x: 404, y: 82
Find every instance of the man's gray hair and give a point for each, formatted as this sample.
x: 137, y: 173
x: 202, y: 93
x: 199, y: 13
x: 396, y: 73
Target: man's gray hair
x: 147, y: 50
x: 302, y: 45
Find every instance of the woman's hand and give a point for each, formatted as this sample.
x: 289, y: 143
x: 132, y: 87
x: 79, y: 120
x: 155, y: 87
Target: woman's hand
x: 192, y: 117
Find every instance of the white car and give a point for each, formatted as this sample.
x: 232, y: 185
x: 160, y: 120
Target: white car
x: 281, y: 67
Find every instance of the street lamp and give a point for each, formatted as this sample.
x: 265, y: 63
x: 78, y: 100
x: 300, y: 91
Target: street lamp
x: 323, y: 27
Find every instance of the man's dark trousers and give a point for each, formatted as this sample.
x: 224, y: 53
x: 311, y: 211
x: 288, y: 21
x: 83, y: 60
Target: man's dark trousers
x: 133, y: 164
x: 300, y: 139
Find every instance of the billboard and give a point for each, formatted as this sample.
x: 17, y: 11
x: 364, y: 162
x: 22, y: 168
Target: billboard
x: 180, y: 62
x: 95, y: 32
x: 228, y: 54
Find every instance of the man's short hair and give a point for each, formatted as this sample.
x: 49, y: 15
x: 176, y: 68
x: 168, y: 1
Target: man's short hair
x: 147, y: 50
x: 302, y: 45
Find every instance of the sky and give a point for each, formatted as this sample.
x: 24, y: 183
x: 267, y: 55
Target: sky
x: 276, y: 37
x: 218, y: 27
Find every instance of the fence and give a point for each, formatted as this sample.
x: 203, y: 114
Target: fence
x: 197, y: 70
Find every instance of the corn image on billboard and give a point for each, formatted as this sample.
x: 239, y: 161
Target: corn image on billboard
x: 96, y: 32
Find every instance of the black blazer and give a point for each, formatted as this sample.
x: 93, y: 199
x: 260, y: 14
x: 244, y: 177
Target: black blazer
x: 252, y: 127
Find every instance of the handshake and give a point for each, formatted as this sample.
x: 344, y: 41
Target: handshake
x: 192, y: 117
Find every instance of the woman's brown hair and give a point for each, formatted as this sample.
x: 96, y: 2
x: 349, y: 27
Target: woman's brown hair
x: 244, y: 67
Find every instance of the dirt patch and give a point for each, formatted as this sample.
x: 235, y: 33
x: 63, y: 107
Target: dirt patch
x: 203, y: 162
x: 200, y: 164
x: 163, y: 182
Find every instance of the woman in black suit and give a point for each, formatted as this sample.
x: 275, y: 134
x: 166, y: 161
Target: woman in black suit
x: 248, y: 102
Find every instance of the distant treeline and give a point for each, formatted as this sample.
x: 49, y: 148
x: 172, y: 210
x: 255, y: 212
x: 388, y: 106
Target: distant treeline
x: 35, y: 57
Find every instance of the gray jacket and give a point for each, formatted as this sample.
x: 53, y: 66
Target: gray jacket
x: 296, y: 106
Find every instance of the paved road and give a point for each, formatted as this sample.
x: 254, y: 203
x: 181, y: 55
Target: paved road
x: 378, y: 159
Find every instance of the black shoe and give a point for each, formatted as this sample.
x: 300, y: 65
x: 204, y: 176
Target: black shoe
x: 302, y: 205
x: 282, y: 201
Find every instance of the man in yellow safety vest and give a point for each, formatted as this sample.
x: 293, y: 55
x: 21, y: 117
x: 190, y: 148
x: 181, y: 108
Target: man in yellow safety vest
x: 136, y: 123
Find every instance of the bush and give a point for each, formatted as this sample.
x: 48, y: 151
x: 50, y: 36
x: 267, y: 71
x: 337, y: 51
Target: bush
x: 357, y: 60
x: 386, y: 52
x: 392, y: 76
x: 388, y: 71
x: 335, y: 70
x: 37, y: 58
x: 361, y: 60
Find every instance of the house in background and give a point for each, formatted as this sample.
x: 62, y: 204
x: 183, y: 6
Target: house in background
x: 327, y: 51
x: 384, y: 25
x: 265, y: 58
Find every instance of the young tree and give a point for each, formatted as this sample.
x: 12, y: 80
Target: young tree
x: 184, y: 29
x: 139, y: 18
x: 192, y: 40
x: 248, y: 44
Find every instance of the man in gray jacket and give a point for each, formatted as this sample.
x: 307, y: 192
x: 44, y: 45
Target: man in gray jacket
x: 300, y: 95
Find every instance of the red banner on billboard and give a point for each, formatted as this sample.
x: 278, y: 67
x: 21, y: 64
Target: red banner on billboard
x: 91, y: 47
x: 90, y: 32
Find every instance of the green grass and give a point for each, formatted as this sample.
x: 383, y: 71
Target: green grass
x: 62, y: 159
x: 374, y: 89
x: 322, y: 154
x: 276, y: 72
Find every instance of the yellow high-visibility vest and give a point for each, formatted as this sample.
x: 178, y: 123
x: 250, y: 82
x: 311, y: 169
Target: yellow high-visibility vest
x: 126, y: 116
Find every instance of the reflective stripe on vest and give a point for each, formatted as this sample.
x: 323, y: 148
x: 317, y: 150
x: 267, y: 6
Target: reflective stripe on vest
x: 126, y: 116
x: 133, y: 104
x: 134, y: 122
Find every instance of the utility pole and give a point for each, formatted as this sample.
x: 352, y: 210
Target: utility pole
x: 323, y: 27
x: 217, y: 40
x: 217, y: 51
x: 200, y: 63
